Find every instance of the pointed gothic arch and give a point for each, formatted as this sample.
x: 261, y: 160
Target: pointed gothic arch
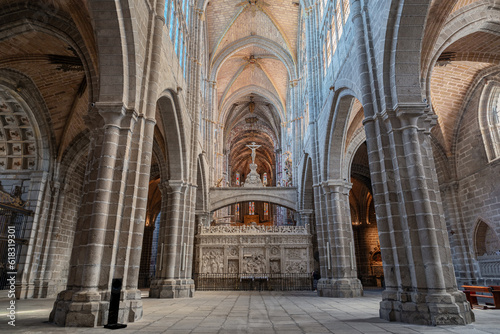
x: 486, y: 241
x: 174, y: 132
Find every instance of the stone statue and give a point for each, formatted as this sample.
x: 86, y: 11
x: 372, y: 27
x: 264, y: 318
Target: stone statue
x: 253, y: 147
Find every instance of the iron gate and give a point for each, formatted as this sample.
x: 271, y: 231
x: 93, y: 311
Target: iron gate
x: 12, y: 221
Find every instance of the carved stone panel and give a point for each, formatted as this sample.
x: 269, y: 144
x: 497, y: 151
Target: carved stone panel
x: 212, y: 261
x: 275, y: 266
x: 254, y: 261
x: 233, y: 266
x: 248, y: 250
x: 275, y: 252
x: 233, y: 251
x: 296, y: 260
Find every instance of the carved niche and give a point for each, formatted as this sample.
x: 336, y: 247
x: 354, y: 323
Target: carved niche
x: 275, y: 266
x: 233, y: 266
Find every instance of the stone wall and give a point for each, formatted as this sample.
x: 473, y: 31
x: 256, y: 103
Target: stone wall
x: 64, y: 235
x: 478, y: 197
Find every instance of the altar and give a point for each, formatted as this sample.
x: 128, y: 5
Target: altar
x: 251, y: 219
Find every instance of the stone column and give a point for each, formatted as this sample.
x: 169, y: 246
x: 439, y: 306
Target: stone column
x: 314, y: 72
x: 48, y: 284
x: 419, y: 275
x: 134, y: 216
x: 39, y: 202
x: 85, y: 302
x: 172, y: 277
x: 293, y: 122
x: 322, y: 230
x: 202, y: 219
x: 459, y: 239
x: 209, y: 132
x: 341, y: 279
x: 306, y: 217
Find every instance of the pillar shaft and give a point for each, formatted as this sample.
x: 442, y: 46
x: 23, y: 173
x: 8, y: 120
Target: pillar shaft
x: 419, y: 276
x: 173, y: 276
x: 341, y: 279
x: 103, y: 230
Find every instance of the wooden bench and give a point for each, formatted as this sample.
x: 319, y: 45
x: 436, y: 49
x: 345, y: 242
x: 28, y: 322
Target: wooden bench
x: 473, y: 292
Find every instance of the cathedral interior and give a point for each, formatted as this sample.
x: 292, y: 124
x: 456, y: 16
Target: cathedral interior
x: 184, y: 145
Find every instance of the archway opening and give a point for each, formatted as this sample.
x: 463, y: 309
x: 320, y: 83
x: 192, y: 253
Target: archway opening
x: 254, y: 213
x: 364, y: 222
x: 150, y: 237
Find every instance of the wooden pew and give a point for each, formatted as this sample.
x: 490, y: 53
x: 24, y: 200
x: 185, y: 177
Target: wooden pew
x: 473, y: 292
x: 495, y: 291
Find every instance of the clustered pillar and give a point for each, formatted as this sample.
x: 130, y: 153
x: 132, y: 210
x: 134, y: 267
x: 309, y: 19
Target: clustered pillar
x: 338, y: 269
x: 109, y: 230
x: 419, y: 276
x: 173, y: 274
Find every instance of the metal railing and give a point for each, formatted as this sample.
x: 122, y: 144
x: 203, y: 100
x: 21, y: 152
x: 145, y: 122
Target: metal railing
x: 260, y: 282
x: 11, y: 219
x: 489, y: 265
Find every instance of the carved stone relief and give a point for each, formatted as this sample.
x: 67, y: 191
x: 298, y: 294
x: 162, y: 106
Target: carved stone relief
x: 293, y: 267
x: 275, y: 266
x: 295, y: 260
x: 295, y: 253
x: 212, y: 261
x: 254, y: 261
x: 233, y: 251
x: 233, y: 266
x: 274, y: 250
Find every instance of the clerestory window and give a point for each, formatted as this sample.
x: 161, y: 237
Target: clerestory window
x: 177, y: 20
x: 489, y: 119
x: 334, y: 29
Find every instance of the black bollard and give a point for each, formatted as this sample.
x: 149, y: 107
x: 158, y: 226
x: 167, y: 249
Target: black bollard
x: 114, y: 305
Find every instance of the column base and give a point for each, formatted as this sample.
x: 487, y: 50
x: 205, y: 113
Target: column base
x: 47, y: 288
x: 25, y: 290
x: 91, y: 308
x: 172, y: 288
x: 340, y: 288
x: 430, y: 310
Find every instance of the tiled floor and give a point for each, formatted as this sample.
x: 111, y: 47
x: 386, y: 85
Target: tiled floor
x: 249, y: 312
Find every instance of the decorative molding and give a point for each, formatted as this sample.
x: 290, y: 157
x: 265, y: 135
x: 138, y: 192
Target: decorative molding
x: 224, y: 229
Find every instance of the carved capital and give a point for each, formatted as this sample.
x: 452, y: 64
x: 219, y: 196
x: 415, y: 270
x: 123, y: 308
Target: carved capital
x: 176, y: 186
x: 93, y: 120
x: 163, y: 186
x: 336, y: 186
x: 116, y: 114
x: 409, y: 114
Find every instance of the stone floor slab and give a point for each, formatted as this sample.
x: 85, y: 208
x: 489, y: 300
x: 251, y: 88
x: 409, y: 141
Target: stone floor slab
x: 244, y: 312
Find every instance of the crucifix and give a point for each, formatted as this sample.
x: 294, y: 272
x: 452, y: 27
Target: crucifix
x: 253, y: 147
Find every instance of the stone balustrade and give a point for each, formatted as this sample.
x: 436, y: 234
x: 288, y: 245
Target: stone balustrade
x: 489, y: 265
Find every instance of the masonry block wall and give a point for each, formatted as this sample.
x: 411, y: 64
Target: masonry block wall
x: 479, y: 197
x: 366, y: 240
x: 65, y: 233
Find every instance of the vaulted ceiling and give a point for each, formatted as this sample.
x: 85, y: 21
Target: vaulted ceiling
x: 252, y: 50
x: 45, y: 58
x: 461, y: 57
